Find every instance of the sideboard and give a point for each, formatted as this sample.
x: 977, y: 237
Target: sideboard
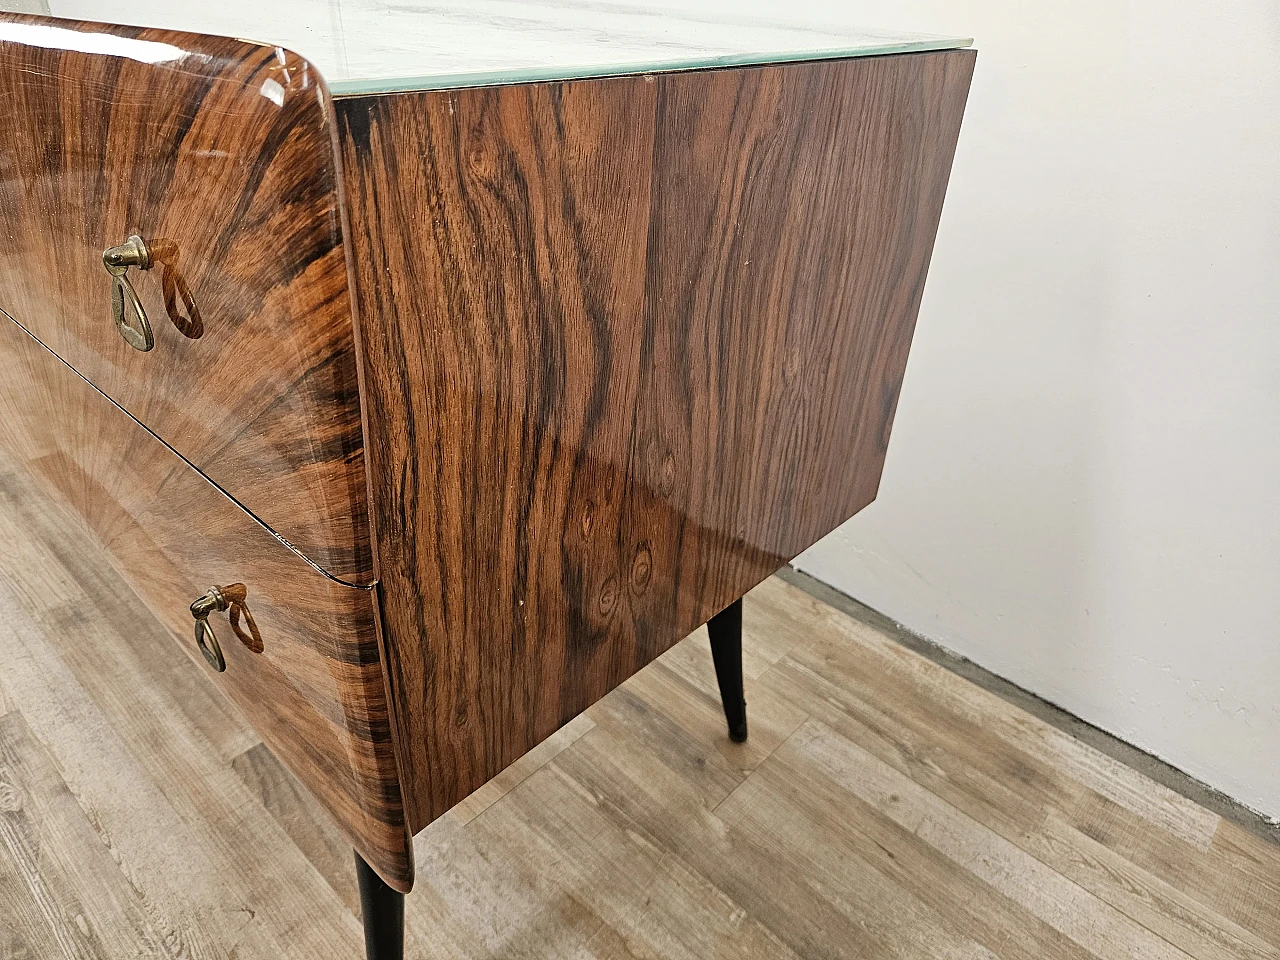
x: 427, y: 409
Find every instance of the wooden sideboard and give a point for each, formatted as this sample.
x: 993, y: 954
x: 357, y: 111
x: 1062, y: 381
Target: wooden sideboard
x: 469, y: 401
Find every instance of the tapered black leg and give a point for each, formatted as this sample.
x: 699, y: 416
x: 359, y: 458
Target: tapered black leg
x: 383, y: 912
x: 725, y: 629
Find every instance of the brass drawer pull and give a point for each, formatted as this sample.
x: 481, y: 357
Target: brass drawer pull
x: 232, y: 597
x: 124, y: 300
x: 212, y: 601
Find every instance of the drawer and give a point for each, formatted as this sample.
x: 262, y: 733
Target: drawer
x: 219, y: 154
x: 300, y: 649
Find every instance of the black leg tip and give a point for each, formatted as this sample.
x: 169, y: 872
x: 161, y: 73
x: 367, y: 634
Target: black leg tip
x: 382, y: 912
x: 738, y: 732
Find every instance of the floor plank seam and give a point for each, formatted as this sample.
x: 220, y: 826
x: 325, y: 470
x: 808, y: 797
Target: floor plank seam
x: 858, y: 821
x: 1148, y: 764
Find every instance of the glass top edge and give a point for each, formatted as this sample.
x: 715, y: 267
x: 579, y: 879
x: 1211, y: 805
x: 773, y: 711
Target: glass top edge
x: 551, y: 73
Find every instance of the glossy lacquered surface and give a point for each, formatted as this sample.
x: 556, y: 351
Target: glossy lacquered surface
x: 625, y: 346
x: 219, y: 154
x: 629, y: 345
x: 310, y: 682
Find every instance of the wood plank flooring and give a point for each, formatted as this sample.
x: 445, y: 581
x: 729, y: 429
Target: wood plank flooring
x: 883, y: 808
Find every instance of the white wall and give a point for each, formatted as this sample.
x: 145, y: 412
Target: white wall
x: 1083, y: 489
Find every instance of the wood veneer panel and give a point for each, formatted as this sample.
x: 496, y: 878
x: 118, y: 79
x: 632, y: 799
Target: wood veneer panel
x: 220, y: 154
x: 629, y: 345
x: 315, y: 690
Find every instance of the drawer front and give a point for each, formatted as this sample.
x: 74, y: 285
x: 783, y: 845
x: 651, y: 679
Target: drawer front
x: 301, y: 657
x: 219, y: 155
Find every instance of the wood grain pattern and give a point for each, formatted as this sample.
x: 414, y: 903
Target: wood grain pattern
x: 220, y: 154
x: 50, y: 852
x: 647, y: 836
x: 628, y: 346
x: 141, y: 739
x: 293, y: 807
x: 315, y: 691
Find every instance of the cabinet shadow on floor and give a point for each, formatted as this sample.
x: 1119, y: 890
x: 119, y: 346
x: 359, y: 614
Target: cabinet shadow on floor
x: 885, y: 805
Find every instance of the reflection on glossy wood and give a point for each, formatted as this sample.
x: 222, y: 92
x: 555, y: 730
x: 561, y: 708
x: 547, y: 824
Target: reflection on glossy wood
x: 313, y: 688
x: 179, y: 302
x: 219, y: 153
x: 629, y: 345
x: 145, y: 740
x: 647, y: 835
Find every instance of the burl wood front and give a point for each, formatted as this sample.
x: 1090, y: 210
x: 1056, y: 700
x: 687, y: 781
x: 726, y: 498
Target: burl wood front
x: 220, y: 154
x: 629, y: 345
x: 310, y: 681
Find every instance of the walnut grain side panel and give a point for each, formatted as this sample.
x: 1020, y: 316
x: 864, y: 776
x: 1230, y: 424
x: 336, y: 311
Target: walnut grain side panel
x: 629, y: 345
x: 507, y: 249
x: 220, y: 153
x: 313, y: 687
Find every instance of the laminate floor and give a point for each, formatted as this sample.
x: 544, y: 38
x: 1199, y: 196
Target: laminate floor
x: 883, y: 808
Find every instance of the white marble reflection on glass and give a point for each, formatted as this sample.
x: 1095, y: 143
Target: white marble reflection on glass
x: 378, y: 45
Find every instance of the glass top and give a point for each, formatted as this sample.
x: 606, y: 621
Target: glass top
x: 377, y: 46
